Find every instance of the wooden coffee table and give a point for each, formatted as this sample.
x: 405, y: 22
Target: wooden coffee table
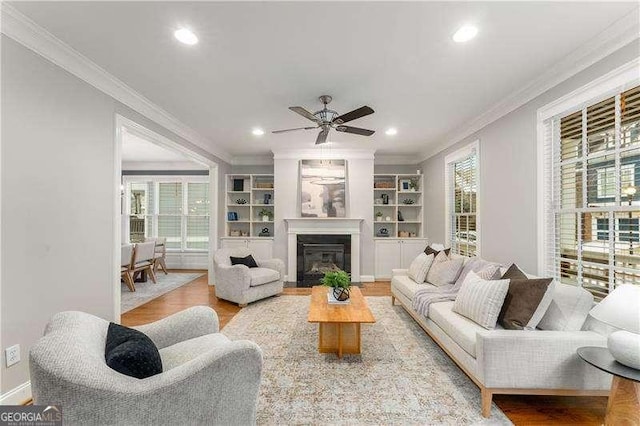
x: 339, y: 325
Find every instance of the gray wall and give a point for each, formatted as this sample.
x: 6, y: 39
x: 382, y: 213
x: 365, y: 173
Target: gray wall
x: 58, y: 199
x: 508, y: 167
x: 387, y: 169
x: 252, y: 170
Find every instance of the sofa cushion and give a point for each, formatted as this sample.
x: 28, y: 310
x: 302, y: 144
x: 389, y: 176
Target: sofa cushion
x: 481, y: 300
x: 444, y: 271
x: 568, y: 309
x: 182, y: 352
x: 407, y: 286
x: 491, y: 271
x: 430, y: 250
x: 460, y: 329
x: 260, y: 276
x: 523, y: 300
x: 419, y: 267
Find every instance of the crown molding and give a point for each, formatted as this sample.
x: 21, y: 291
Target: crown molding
x: 330, y: 153
x: 614, y: 37
x: 26, y: 32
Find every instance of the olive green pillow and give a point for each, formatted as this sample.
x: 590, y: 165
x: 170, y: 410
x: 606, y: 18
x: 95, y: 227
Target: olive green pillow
x: 522, y: 300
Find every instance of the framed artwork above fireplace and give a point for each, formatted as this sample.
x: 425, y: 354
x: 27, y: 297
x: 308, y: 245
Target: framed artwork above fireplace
x: 323, y: 188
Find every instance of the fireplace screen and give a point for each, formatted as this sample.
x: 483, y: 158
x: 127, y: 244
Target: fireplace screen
x: 319, y: 254
x: 321, y: 258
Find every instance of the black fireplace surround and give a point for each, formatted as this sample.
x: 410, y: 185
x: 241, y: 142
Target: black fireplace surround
x: 317, y: 254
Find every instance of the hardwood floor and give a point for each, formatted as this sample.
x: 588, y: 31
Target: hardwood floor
x: 522, y: 410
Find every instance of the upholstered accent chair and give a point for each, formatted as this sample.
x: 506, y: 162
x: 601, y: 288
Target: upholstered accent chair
x: 206, y: 378
x: 241, y: 284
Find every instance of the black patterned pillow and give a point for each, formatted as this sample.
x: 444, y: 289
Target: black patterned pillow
x: 247, y: 261
x: 131, y: 352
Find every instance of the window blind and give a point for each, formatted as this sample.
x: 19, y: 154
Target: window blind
x: 177, y: 211
x: 591, y: 187
x: 463, y: 194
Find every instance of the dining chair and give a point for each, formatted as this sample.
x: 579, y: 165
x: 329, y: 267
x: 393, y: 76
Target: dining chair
x: 125, y: 262
x: 160, y: 253
x: 144, y: 259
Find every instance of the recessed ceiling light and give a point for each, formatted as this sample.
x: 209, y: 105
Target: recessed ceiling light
x: 391, y: 131
x: 257, y: 132
x: 186, y: 36
x: 465, y: 33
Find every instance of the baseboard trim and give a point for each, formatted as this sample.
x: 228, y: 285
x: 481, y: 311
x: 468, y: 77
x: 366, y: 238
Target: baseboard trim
x: 17, y: 396
x: 367, y: 278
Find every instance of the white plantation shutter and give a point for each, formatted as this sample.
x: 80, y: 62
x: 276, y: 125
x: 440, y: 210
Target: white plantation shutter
x: 170, y: 213
x: 463, y: 207
x: 197, y: 216
x: 591, y: 159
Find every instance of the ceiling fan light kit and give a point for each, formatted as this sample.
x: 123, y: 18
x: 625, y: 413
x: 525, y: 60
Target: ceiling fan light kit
x: 327, y: 119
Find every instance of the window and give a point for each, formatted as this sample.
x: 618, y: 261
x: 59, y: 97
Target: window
x: 176, y: 209
x: 592, y: 194
x: 462, y: 201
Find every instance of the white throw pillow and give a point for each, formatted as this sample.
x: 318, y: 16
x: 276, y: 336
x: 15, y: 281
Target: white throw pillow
x: 481, y: 300
x: 419, y: 267
x: 444, y: 271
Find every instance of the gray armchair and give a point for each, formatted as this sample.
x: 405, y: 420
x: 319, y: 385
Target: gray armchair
x: 243, y: 285
x: 206, y: 378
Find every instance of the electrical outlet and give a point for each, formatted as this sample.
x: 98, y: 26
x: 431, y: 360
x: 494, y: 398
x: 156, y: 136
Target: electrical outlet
x: 12, y: 355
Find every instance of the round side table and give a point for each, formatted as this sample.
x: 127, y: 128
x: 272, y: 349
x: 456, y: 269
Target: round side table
x: 623, y: 407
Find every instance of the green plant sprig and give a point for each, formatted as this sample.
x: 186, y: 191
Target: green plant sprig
x: 336, y: 279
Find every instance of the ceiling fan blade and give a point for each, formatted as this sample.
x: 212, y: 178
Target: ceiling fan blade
x: 293, y: 130
x: 355, y: 130
x: 322, y: 136
x: 303, y: 112
x: 352, y: 115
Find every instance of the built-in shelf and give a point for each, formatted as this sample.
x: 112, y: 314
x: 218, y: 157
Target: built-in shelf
x: 411, y: 226
x: 251, y: 224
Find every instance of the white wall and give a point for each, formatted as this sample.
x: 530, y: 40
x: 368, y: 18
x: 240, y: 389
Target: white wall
x: 508, y: 194
x: 359, y: 198
x: 58, y: 197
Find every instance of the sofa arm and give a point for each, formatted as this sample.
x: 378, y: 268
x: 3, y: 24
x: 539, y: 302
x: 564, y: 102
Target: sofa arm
x: 275, y: 264
x: 538, y: 359
x: 193, y: 322
x: 399, y: 272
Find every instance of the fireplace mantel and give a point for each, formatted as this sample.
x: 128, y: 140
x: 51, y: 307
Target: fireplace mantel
x: 314, y: 225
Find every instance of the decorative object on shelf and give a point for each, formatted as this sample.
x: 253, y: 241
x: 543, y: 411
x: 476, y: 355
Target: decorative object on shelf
x: 241, y: 201
x: 413, y: 184
x: 620, y: 310
x: 323, y: 188
x: 388, y: 218
x: 412, y: 234
x: 264, y: 185
x: 382, y: 232
x: 378, y: 201
x: 400, y: 217
x: 379, y: 216
x: 267, y: 199
x: 232, y: 216
x: 384, y: 185
x: 235, y: 233
x: 403, y: 234
x: 385, y: 199
x: 404, y: 184
x: 408, y: 201
x: 264, y: 233
x: 339, y: 281
x: 266, y: 214
x: 238, y: 184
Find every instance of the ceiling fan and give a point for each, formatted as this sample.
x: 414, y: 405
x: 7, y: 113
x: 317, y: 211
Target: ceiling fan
x: 327, y: 119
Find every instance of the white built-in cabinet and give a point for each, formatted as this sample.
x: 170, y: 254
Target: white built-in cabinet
x: 396, y: 253
x: 398, y: 221
x: 261, y: 248
x: 244, y: 224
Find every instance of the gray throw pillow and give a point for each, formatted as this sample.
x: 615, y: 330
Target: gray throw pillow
x: 523, y: 300
x: 480, y: 300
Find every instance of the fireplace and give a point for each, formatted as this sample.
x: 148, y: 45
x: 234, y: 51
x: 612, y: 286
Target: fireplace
x: 317, y: 254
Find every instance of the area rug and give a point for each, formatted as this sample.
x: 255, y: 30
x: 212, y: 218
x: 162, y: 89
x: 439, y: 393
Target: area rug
x: 401, y: 377
x: 148, y: 291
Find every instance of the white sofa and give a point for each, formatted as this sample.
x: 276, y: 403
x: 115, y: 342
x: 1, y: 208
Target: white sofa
x: 499, y: 361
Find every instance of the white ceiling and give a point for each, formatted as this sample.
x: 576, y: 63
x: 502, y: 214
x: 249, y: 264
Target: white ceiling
x: 256, y: 59
x: 137, y: 149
